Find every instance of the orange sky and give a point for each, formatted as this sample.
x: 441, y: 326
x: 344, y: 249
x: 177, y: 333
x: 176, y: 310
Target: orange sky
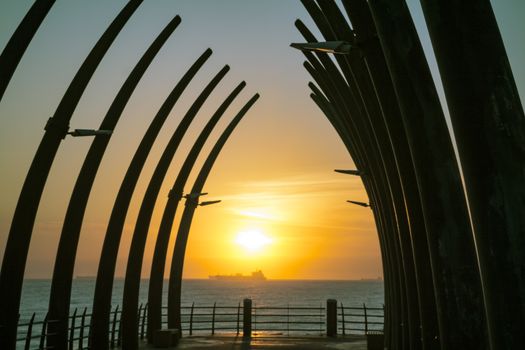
x: 275, y: 175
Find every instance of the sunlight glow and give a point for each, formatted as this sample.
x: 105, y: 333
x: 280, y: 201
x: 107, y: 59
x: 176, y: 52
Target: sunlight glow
x: 252, y: 240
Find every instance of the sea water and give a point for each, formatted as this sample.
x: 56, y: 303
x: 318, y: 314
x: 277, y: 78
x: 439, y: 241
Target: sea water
x: 35, y: 296
x: 203, y: 294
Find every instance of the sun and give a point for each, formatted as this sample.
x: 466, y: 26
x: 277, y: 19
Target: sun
x: 252, y: 240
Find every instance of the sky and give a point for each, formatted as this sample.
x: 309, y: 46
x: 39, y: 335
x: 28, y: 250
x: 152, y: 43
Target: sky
x: 274, y: 176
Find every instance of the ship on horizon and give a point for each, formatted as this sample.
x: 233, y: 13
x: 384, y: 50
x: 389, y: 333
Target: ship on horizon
x: 254, y: 276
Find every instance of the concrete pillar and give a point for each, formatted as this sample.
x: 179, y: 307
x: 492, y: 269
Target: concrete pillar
x: 247, y: 318
x: 331, y: 318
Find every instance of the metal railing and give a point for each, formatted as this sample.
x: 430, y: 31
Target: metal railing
x: 33, y: 334
x: 31, y: 331
x: 369, y: 318
x: 213, y: 319
x: 289, y: 319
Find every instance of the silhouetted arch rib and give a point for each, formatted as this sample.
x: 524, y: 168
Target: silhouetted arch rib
x: 489, y: 125
x: 67, y: 248
x: 368, y: 183
x: 177, y: 262
x: 357, y: 131
x: 454, y: 266
x: 130, y: 299
x: 17, y: 246
x: 377, y: 115
x: 161, y: 245
x: 104, y: 284
x: 360, y: 110
x: 19, y: 41
x: 370, y: 48
x: 371, y: 186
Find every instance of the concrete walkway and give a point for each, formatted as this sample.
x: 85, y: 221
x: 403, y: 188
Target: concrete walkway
x: 269, y: 342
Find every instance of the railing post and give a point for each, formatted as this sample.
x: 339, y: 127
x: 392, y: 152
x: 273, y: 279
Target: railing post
x: 113, y: 327
x: 138, y: 319
x: 247, y: 318
x: 320, y: 319
x: 119, y: 333
x: 82, y: 325
x: 144, y: 315
x: 43, y: 334
x: 213, y: 319
x: 29, y: 332
x: 288, y: 318
x: 331, y: 318
x: 366, y: 318
x: 383, y: 318
x: 343, y: 317
x: 191, y: 318
x: 238, y: 316
x: 72, y: 330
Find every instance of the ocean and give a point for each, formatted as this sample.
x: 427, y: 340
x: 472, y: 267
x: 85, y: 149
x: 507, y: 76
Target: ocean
x: 35, y: 296
x: 273, y: 305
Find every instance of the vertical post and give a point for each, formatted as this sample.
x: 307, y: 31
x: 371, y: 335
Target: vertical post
x: 43, y: 334
x: 82, y: 325
x: 383, y: 318
x: 119, y: 333
x: 137, y: 319
x: 191, y: 319
x: 254, y: 322
x: 320, y: 319
x: 331, y: 318
x: 72, y: 330
x: 144, y: 315
x: 29, y: 332
x: 288, y: 318
x: 213, y: 319
x: 113, y: 327
x: 343, y: 317
x: 366, y: 318
x: 247, y: 318
x: 238, y: 316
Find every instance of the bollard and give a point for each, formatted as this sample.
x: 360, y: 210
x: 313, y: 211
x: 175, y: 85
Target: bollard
x: 331, y: 318
x: 247, y: 318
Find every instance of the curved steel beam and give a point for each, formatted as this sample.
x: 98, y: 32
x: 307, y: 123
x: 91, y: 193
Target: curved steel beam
x: 175, y: 279
x: 366, y: 117
x: 383, y: 138
x: 368, y: 43
x: 67, y: 248
x: 375, y: 188
x: 130, y: 299
x: 489, y: 125
x: 17, y: 45
x: 17, y: 246
x: 108, y: 258
x: 346, y: 134
x: 161, y: 244
x: 454, y: 265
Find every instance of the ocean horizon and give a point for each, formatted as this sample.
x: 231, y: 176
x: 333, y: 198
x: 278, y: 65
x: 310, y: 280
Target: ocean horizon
x: 206, y: 292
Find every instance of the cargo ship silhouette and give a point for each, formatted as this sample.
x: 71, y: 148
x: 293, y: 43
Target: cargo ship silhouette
x: 255, y: 276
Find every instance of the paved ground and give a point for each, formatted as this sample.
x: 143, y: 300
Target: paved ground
x: 270, y: 343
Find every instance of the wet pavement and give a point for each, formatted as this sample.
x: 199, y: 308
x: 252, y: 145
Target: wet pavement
x: 270, y: 342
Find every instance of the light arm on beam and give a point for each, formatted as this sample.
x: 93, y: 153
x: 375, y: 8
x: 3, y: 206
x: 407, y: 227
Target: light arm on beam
x: 349, y: 172
x: 362, y: 204
x: 209, y: 203
x: 89, y: 132
x: 195, y: 195
x: 335, y: 47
